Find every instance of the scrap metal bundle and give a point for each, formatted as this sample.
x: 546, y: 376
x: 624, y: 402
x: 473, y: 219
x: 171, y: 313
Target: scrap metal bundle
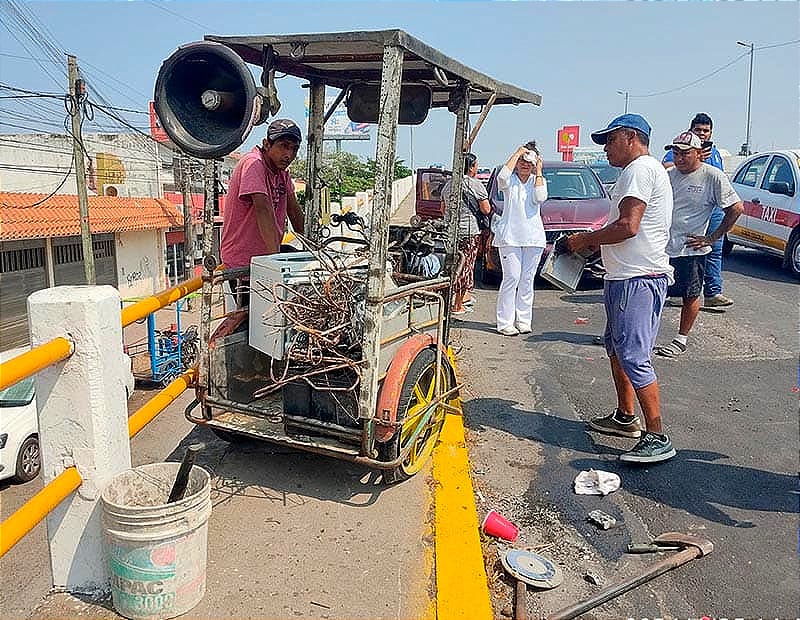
x: 323, y: 315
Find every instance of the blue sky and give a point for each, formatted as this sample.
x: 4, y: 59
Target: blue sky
x: 577, y: 55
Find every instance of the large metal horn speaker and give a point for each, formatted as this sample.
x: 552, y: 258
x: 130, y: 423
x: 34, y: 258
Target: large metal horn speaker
x: 206, y: 99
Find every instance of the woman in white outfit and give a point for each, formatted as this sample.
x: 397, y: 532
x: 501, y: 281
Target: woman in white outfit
x: 519, y: 238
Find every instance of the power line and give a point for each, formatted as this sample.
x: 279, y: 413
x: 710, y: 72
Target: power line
x: 784, y: 44
x: 14, y: 89
x: 692, y: 83
x: 159, y: 5
x: 51, y: 194
x: 715, y: 71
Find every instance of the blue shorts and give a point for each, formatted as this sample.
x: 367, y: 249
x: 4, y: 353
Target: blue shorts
x: 633, y: 314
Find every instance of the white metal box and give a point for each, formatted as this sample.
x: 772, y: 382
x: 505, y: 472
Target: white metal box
x: 564, y: 270
x: 267, y: 325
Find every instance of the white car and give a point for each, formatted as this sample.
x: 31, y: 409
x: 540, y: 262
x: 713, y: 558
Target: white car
x: 20, y: 457
x: 769, y: 186
x: 19, y: 439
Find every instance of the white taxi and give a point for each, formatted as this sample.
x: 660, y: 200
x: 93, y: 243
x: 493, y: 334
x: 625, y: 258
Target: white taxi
x: 19, y: 431
x: 769, y: 186
x: 20, y: 457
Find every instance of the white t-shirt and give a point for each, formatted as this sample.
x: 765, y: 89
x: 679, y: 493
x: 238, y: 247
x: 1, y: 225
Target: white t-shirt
x: 520, y: 224
x: 645, y: 253
x: 694, y: 196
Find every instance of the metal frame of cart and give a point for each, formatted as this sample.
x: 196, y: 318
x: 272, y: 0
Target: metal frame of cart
x: 407, y: 378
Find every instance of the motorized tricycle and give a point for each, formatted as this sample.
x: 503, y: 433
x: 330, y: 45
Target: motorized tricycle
x: 344, y: 347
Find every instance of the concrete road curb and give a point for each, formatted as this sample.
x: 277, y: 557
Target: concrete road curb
x: 461, y: 586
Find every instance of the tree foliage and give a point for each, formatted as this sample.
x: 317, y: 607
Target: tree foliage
x: 345, y: 173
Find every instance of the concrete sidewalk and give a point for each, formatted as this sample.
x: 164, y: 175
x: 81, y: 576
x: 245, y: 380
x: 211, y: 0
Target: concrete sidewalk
x: 292, y: 534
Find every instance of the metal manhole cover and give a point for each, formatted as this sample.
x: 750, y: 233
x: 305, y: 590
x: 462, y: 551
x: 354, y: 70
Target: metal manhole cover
x: 531, y: 568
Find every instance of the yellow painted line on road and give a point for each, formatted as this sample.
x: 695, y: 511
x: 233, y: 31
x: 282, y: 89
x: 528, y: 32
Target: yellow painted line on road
x: 461, y: 586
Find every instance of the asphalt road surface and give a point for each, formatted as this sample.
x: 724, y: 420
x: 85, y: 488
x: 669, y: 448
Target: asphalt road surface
x: 730, y: 406
x: 288, y: 523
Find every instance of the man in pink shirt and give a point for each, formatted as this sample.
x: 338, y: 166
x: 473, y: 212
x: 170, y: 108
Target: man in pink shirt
x: 260, y: 197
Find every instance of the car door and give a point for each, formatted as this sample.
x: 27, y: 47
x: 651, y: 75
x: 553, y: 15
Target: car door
x: 778, y: 201
x: 747, y: 183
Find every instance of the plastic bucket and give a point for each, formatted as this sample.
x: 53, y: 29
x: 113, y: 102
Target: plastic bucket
x: 156, y: 551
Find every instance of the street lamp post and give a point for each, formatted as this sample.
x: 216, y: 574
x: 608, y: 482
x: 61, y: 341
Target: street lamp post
x: 746, y: 146
x: 627, y: 94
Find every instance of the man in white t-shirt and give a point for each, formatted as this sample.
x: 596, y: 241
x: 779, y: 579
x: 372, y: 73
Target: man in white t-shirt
x: 697, y: 189
x: 633, y: 245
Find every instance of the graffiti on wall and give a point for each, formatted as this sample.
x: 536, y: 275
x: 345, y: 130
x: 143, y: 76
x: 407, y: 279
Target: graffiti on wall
x: 142, y: 273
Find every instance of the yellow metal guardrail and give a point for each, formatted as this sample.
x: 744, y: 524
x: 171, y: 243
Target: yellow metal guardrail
x: 62, y: 486
x: 32, y: 512
x: 148, y: 305
x: 31, y: 362
x: 37, y: 508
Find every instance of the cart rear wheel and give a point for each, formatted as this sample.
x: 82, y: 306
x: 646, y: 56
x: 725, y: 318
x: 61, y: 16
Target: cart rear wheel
x: 415, y: 396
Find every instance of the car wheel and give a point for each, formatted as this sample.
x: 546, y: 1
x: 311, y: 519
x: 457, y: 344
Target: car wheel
x: 727, y: 246
x: 792, y: 258
x: 29, y: 460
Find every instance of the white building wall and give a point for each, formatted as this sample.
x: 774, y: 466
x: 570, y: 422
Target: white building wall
x: 140, y: 263
x: 39, y: 162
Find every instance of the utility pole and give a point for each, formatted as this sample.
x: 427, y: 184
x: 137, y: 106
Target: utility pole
x: 627, y: 94
x: 188, y: 228
x: 411, y: 147
x: 746, y: 146
x: 77, y: 92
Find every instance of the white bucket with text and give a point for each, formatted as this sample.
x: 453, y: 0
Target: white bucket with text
x: 156, y: 550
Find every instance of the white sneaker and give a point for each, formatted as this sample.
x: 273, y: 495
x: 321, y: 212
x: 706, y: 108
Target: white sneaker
x: 508, y: 331
x: 522, y: 328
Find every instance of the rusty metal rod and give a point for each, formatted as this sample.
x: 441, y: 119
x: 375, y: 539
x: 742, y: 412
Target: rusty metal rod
x: 520, y: 604
x: 612, y: 591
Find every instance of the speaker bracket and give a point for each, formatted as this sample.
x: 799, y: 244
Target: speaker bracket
x: 269, y: 93
x: 269, y: 60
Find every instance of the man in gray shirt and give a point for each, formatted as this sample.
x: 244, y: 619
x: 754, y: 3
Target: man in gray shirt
x: 697, y: 188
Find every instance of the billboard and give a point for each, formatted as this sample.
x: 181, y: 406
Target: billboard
x: 156, y: 131
x: 568, y: 137
x: 339, y: 126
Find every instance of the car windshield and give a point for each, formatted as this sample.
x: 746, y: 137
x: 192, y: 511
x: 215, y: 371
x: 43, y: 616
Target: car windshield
x: 572, y: 184
x: 18, y: 395
x: 607, y: 174
x: 431, y: 185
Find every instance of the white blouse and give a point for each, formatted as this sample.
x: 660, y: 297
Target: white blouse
x: 520, y: 224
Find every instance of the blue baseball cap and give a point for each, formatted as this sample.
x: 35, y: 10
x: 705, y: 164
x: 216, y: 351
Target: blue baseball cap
x: 629, y: 121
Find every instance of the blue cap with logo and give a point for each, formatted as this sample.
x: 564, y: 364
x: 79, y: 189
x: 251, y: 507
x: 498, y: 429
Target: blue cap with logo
x: 629, y: 121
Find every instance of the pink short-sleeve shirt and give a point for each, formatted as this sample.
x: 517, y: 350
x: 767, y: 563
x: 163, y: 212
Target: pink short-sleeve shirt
x: 241, y: 239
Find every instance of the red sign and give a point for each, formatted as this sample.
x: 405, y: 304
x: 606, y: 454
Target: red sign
x: 158, y: 133
x: 568, y: 137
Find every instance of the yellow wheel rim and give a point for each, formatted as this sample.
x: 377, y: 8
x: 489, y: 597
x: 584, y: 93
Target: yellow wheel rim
x: 422, y: 396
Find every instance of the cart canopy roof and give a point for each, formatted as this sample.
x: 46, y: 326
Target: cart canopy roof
x: 340, y: 59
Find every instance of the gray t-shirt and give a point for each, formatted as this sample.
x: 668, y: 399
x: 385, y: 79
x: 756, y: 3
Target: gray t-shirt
x: 474, y: 191
x: 694, y: 197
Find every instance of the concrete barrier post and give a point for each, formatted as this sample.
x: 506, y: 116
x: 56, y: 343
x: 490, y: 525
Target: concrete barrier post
x: 83, y: 421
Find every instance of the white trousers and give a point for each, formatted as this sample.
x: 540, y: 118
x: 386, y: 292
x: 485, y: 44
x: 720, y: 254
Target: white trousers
x: 515, y: 297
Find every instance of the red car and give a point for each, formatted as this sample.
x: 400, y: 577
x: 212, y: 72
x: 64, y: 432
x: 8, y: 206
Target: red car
x: 577, y: 201
x: 430, y: 182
